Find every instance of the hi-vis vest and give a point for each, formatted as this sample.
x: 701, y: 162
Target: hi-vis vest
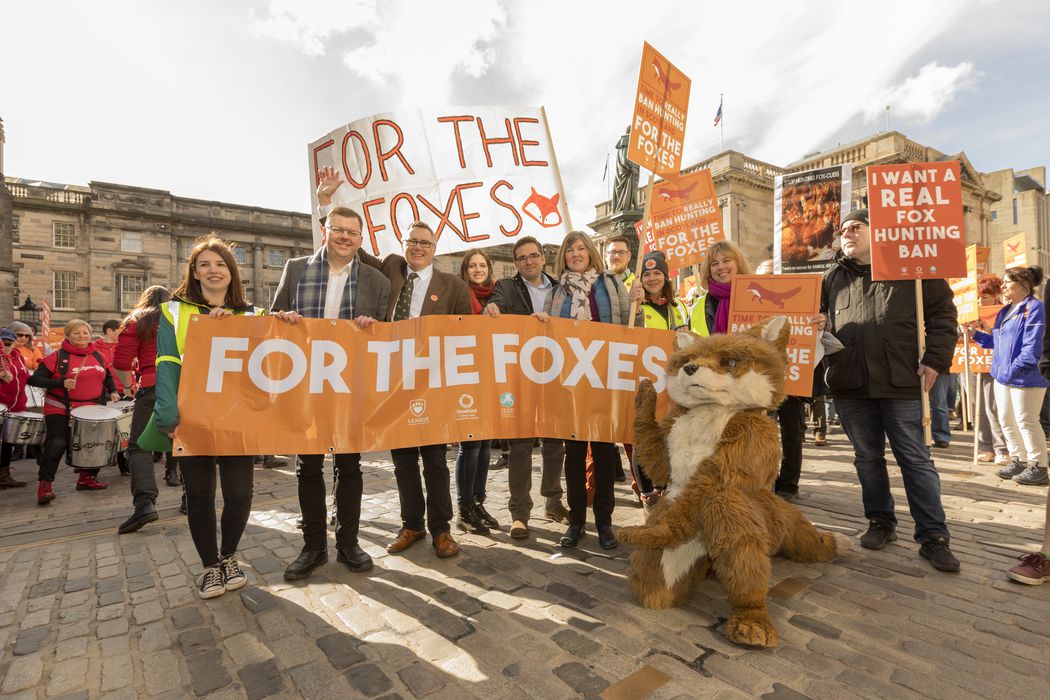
x: 628, y: 281
x: 698, y: 319
x: 654, y: 319
x: 179, y: 314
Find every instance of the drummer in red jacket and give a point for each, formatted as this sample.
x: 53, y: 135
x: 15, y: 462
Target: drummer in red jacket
x: 13, y: 376
x: 75, y: 376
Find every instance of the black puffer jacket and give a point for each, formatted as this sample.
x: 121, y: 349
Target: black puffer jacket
x: 876, y: 323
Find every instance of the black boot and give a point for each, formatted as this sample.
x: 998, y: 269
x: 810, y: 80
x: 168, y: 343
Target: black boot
x: 470, y: 522
x: 485, y: 516
x: 143, y: 515
x: 171, y: 477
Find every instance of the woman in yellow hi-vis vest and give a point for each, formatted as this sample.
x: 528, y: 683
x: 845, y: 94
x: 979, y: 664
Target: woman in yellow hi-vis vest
x: 723, y: 262
x: 212, y: 285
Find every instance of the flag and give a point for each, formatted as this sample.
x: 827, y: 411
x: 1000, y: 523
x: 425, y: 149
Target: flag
x: 45, y: 321
x: 718, y: 114
x: 606, y: 172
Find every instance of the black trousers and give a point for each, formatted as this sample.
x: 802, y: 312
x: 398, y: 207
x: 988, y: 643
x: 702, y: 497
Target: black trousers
x: 348, y: 489
x: 56, y: 440
x: 140, y: 463
x: 606, y: 457
x: 437, y: 507
x: 792, y: 416
x: 198, y: 477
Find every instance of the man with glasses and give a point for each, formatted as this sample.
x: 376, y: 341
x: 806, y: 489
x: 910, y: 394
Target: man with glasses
x: 618, y: 259
x: 524, y: 294
x: 331, y: 283
x: 876, y: 382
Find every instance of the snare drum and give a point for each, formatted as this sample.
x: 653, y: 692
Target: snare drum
x: 24, y: 428
x: 93, y: 438
x: 127, y: 409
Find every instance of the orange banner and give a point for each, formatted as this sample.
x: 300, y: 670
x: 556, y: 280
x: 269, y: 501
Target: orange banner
x: 977, y: 260
x: 980, y: 359
x: 685, y: 217
x: 1015, y: 252
x: 262, y: 386
x: 758, y: 297
x: 916, y: 215
x: 658, y: 123
x: 964, y: 289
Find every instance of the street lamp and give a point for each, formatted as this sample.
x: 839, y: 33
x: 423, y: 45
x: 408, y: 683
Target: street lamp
x: 29, y: 312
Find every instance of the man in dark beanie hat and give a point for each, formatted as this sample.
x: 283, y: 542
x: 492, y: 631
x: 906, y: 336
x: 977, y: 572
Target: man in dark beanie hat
x: 876, y: 380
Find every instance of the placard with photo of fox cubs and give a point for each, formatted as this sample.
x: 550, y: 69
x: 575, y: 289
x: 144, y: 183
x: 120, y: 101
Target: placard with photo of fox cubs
x: 719, y: 452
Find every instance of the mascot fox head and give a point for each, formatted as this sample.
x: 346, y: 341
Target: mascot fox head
x: 739, y: 372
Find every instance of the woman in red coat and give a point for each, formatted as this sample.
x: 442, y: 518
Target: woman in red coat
x: 13, y: 376
x: 74, y: 376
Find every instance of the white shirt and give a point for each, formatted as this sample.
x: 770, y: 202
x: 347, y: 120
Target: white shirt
x: 538, y: 293
x: 419, y: 290
x: 333, y: 298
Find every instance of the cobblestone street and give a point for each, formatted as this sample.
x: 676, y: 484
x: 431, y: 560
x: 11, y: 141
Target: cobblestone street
x: 85, y: 613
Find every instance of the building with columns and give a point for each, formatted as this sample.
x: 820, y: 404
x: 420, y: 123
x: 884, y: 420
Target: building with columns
x: 997, y: 205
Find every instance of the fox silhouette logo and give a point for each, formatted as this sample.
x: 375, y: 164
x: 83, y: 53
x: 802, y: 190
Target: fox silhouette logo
x: 664, y: 76
x: 1013, y: 248
x: 669, y: 193
x: 762, y: 295
x: 546, y: 209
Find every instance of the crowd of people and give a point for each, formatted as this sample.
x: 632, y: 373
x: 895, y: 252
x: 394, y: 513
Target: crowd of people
x: 873, y: 376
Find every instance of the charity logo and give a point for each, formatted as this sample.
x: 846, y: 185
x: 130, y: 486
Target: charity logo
x: 466, y: 401
x: 650, y: 264
x: 762, y: 294
x: 1013, y: 248
x: 546, y: 208
x: 506, y: 399
x: 417, y: 406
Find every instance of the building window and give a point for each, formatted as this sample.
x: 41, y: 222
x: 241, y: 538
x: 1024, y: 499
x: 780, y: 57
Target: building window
x: 63, y: 234
x: 240, y: 255
x: 271, y: 292
x: 1015, y: 211
x: 15, y: 221
x: 130, y: 286
x: 65, y: 286
x: 15, y: 288
x: 131, y: 242
x: 277, y: 257
x: 185, y: 246
x: 995, y: 215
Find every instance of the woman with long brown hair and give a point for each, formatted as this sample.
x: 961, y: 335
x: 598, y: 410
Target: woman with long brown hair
x: 137, y: 346
x: 212, y: 286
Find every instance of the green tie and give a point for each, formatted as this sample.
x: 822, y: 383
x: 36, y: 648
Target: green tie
x: 404, y: 301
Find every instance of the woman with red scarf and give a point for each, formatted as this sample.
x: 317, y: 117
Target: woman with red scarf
x: 723, y: 262
x: 75, y: 376
x: 13, y: 376
x: 472, y: 460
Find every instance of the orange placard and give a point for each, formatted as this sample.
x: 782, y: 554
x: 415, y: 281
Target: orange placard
x: 980, y: 358
x: 758, y: 297
x: 1015, y: 252
x: 916, y: 215
x: 261, y: 386
x: 977, y: 260
x: 660, y: 106
x: 964, y: 291
x: 685, y: 217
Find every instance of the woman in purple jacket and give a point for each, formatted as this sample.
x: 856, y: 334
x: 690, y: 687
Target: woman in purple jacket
x: 1017, y: 339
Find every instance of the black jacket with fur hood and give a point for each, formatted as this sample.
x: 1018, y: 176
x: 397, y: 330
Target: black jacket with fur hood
x: 876, y: 321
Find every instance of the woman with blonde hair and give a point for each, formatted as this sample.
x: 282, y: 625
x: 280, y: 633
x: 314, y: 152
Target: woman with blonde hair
x: 724, y: 261
x: 587, y: 292
x: 211, y: 286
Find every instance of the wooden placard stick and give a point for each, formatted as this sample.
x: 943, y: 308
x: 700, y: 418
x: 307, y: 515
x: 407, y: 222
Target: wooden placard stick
x: 641, y: 246
x: 920, y: 324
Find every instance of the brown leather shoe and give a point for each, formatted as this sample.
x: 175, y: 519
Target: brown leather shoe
x: 405, y: 539
x: 444, y: 545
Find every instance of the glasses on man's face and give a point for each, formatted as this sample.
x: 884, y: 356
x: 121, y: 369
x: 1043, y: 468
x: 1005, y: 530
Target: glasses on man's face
x: 531, y: 257
x: 617, y: 253
x: 416, y: 243
x: 851, y: 227
x: 339, y: 230
x: 9, y: 342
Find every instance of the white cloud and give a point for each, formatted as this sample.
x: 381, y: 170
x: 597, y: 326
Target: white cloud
x: 921, y: 97
x: 308, y: 25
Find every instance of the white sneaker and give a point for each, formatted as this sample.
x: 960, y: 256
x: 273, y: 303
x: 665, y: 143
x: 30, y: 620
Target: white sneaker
x: 232, y: 576
x: 210, y: 584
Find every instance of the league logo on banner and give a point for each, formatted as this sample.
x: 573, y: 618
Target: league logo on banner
x: 916, y: 215
x: 756, y: 298
x: 658, y: 123
x: 685, y: 217
x: 479, y: 176
x: 807, y: 212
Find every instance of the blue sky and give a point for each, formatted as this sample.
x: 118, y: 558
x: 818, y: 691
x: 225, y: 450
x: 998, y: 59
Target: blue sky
x: 218, y: 100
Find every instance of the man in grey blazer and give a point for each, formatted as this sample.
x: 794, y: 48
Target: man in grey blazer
x: 331, y: 283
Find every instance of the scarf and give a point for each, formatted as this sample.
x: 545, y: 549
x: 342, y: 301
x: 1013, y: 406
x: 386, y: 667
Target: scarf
x: 578, y: 284
x: 721, y: 292
x: 479, y: 296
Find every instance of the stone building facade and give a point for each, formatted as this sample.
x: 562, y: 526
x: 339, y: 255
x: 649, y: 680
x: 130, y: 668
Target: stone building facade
x: 1024, y: 207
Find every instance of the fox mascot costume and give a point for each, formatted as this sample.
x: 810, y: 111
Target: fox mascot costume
x: 719, y: 452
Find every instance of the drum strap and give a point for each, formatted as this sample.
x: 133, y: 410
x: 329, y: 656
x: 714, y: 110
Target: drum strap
x: 62, y: 367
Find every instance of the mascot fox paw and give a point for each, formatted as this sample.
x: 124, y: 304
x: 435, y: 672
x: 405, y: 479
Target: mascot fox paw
x: 719, y: 452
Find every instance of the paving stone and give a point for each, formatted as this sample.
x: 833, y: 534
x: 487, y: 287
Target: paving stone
x: 35, y: 619
x: 314, y: 680
x: 23, y: 672
x: 261, y: 680
x: 258, y: 601
x: 161, y: 672
x: 108, y: 585
x: 147, y: 612
x: 576, y: 644
x: 31, y: 640
x: 268, y: 564
x: 573, y: 595
x: 112, y: 628
x: 816, y: 626
x: 186, y: 617
x: 134, y: 569
x: 140, y: 583
x: 246, y: 648
x: 581, y: 679
x: 110, y: 598
x: 111, y: 612
x: 274, y: 624
x: 71, y: 648
x: 369, y: 679
x: 207, y: 673
x: 196, y: 641
x: 422, y: 679
x: 154, y: 636
x: 46, y: 587
x: 341, y: 650
x: 783, y: 692
x: 117, y: 672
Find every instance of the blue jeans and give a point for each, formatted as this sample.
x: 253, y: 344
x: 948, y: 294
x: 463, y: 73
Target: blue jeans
x: 867, y: 423
x: 472, y: 471
x: 939, y: 407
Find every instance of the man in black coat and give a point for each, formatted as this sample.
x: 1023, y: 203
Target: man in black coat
x: 876, y: 382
